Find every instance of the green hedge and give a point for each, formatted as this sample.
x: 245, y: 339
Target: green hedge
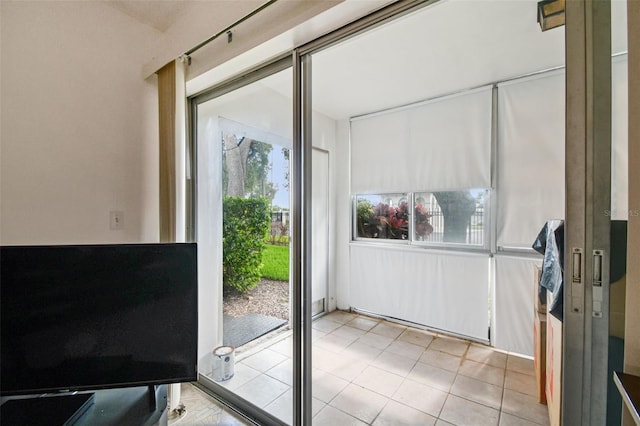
x: 245, y: 225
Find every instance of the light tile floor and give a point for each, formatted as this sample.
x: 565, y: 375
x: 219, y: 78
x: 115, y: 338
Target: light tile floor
x: 368, y: 371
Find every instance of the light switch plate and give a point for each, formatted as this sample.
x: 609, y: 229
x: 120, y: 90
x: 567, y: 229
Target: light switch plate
x: 116, y: 220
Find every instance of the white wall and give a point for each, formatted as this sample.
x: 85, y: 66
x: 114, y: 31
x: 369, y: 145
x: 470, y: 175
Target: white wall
x: 324, y: 137
x: 343, y: 216
x: 79, y: 125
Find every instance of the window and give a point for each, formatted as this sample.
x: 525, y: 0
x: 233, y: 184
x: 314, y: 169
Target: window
x: 442, y: 217
x: 456, y: 217
x: 382, y: 216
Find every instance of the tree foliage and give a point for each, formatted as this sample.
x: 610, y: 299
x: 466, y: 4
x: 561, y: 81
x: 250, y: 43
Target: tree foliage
x: 285, y: 154
x: 257, y: 182
x: 245, y: 168
x: 245, y: 225
x: 457, y: 208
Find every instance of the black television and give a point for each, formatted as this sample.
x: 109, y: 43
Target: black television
x: 90, y: 317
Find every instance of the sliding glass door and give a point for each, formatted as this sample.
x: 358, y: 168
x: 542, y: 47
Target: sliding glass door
x: 253, y: 212
x: 398, y: 186
x: 244, y: 145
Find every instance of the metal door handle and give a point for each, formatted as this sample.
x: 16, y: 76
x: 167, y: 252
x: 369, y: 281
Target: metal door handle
x: 597, y: 283
x: 577, y: 265
x: 576, y: 289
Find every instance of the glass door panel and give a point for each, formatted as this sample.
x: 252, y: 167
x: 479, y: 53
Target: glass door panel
x: 620, y: 209
x: 244, y: 138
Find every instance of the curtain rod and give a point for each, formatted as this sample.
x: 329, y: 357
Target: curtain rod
x: 230, y: 27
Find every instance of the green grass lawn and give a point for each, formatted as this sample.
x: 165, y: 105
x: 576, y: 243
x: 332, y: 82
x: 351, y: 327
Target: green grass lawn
x: 276, y: 262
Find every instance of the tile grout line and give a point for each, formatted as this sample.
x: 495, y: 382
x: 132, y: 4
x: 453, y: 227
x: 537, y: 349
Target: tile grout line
x: 370, y: 363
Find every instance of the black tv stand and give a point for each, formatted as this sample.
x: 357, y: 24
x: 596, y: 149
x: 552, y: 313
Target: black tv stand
x: 136, y: 406
x: 153, y: 398
x: 62, y: 410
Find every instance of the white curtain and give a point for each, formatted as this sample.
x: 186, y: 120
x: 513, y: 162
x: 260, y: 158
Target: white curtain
x: 531, y: 176
x: 439, y: 144
x: 419, y: 147
x: 209, y: 232
x: 619, y: 139
x: 172, y: 148
x: 530, y: 157
x: 442, y: 290
x: 513, y: 304
x: 531, y: 139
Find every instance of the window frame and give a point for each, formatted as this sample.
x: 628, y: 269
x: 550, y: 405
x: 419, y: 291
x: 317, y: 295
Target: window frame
x: 411, y: 241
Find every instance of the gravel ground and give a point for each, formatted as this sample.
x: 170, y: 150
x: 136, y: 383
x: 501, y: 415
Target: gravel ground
x: 268, y: 298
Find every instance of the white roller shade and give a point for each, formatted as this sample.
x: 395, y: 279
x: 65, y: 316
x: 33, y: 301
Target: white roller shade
x: 446, y: 291
x: 513, y: 305
x: 530, y: 157
x: 619, y: 139
x: 439, y: 144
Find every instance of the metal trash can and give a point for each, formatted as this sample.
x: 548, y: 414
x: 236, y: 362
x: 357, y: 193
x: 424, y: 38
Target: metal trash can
x: 223, y: 360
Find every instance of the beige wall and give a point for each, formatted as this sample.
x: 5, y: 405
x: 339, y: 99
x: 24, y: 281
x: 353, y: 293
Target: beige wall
x: 79, y: 135
x: 79, y: 125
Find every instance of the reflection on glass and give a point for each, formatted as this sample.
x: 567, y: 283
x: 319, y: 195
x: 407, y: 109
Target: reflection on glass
x: 454, y: 216
x: 384, y: 216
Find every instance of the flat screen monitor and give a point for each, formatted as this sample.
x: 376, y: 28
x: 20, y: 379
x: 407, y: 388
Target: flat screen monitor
x: 97, y: 316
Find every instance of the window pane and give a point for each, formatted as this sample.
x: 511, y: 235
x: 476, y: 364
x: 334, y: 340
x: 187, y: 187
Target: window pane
x: 382, y: 216
x: 450, y: 216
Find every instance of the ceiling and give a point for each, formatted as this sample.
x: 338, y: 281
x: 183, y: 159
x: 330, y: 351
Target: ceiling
x: 450, y: 46
x: 160, y: 15
x: 444, y: 48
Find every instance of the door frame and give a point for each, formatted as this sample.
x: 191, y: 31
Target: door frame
x: 587, y: 227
